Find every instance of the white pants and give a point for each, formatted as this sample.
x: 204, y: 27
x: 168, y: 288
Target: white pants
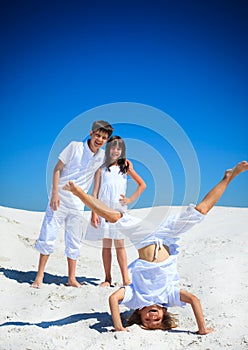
x: 72, y: 220
x: 141, y: 234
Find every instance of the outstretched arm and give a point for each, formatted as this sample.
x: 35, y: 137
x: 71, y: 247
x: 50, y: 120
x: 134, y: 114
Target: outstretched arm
x: 191, y: 299
x: 114, y: 300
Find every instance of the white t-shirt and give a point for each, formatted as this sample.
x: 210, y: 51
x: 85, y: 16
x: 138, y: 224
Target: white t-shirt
x: 153, y: 283
x: 80, y: 166
x: 156, y: 283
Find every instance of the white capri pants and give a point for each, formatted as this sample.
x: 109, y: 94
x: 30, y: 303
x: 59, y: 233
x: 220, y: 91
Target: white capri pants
x: 141, y: 234
x: 71, y: 220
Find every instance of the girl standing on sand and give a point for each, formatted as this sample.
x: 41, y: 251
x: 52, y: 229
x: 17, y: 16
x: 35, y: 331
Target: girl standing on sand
x: 110, y: 185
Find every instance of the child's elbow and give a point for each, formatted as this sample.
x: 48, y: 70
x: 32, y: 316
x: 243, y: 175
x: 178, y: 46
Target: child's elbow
x: 112, y: 300
x: 194, y: 300
x: 143, y: 186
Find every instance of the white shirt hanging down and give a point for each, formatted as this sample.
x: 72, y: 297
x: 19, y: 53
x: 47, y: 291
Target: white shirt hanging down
x: 156, y: 283
x: 153, y: 283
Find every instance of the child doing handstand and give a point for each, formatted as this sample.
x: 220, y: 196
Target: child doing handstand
x: 154, y: 273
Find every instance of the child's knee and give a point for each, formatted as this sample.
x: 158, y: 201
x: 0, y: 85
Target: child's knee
x: 202, y: 209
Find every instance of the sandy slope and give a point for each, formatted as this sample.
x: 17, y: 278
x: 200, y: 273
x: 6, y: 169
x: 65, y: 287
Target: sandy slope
x: 212, y: 264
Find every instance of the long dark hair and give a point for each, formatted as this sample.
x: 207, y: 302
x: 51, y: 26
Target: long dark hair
x: 121, y: 162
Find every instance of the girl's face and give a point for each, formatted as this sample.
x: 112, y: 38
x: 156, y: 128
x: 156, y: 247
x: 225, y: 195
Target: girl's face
x: 115, y: 153
x: 152, y: 316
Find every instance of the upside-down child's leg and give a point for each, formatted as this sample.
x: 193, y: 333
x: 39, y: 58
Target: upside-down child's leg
x: 94, y: 204
x: 214, y: 195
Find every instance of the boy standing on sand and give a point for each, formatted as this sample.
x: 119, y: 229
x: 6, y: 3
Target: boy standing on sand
x: 78, y: 162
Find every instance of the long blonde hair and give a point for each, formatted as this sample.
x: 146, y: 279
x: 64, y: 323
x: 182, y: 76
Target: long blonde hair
x: 169, y: 320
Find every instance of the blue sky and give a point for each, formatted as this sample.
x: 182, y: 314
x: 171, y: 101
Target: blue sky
x: 187, y: 59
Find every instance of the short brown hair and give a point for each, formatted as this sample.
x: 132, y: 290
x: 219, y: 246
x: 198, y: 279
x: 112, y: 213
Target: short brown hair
x: 102, y: 125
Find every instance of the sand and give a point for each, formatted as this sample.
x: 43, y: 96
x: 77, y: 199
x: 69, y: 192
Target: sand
x: 212, y: 264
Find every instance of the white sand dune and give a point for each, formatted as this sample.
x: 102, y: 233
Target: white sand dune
x: 212, y: 264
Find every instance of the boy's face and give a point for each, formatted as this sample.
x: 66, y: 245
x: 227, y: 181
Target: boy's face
x: 97, y: 140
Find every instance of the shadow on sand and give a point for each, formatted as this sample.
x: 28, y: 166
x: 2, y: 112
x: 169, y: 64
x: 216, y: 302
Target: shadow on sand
x: 104, y: 320
x: 29, y: 277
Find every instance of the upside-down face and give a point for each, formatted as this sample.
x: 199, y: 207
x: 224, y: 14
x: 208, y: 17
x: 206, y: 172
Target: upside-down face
x: 152, y: 316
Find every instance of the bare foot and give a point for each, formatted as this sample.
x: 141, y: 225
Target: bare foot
x: 239, y: 168
x: 105, y: 284
x: 126, y: 283
x: 37, y: 283
x: 69, y: 186
x: 74, y: 283
x: 206, y: 331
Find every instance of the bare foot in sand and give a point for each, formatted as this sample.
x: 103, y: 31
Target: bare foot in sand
x: 37, y: 283
x: 126, y: 283
x: 73, y: 283
x: 206, y: 331
x: 105, y: 284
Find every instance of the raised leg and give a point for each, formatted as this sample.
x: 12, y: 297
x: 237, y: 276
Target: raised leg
x: 94, y: 204
x: 214, y: 195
